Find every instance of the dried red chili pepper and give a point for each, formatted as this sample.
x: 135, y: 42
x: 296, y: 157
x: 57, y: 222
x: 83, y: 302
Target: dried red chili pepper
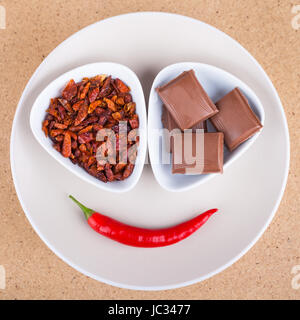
x: 110, y: 104
x: 56, y: 132
x: 85, y: 91
x: 60, y: 125
x: 66, y: 149
x: 90, y: 120
x: 119, y: 167
x: 76, y: 106
x: 66, y: 105
x: 45, y: 127
x: 134, y: 123
x: 82, y: 114
x: 70, y: 90
x: 72, y: 134
x: 121, y: 86
x: 94, y: 94
x: 128, y: 170
x: 76, y: 128
x: 94, y: 105
x: 85, y: 137
x: 105, y: 90
x: 86, y: 129
x: 102, y: 120
x: 120, y: 101
x: 127, y: 98
x: 53, y: 112
x: 141, y: 237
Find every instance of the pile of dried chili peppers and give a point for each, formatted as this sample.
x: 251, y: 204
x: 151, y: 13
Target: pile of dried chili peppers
x: 83, y: 109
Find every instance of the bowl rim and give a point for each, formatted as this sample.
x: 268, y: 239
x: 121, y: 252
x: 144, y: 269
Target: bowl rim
x: 152, y: 96
x: 142, y: 148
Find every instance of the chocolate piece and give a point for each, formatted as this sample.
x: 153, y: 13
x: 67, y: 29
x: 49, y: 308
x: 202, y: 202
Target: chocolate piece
x: 169, y: 123
x: 235, y: 119
x: 208, y: 159
x: 186, y: 100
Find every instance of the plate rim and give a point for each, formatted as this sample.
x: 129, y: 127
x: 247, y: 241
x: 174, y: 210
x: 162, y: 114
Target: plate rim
x: 180, y: 284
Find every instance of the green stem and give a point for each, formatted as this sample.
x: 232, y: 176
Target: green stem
x: 87, y: 212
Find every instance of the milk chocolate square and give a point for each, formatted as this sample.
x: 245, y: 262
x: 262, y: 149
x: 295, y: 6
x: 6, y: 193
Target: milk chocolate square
x: 208, y: 160
x: 235, y: 119
x: 169, y: 123
x: 186, y: 100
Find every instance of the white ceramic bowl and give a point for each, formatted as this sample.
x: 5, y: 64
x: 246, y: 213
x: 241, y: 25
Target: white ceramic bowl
x: 216, y: 82
x: 54, y: 89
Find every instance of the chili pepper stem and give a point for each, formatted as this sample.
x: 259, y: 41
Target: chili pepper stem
x: 87, y: 212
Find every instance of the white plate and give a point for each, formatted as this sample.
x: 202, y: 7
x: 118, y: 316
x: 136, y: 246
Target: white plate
x: 54, y: 89
x: 217, y: 83
x: 247, y: 194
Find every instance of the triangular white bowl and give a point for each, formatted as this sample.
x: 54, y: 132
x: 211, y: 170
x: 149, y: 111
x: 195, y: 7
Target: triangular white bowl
x: 54, y: 89
x: 216, y: 82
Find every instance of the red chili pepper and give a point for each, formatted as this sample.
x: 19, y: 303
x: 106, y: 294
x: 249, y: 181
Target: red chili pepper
x: 140, y: 237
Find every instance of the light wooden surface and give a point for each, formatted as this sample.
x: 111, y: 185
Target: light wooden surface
x: 34, y: 29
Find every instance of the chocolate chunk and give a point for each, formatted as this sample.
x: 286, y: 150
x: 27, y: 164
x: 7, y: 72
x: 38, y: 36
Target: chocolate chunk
x: 207, y: 159
x: 235, y: 119
x: 186, y: 100
x: 169, y: 123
